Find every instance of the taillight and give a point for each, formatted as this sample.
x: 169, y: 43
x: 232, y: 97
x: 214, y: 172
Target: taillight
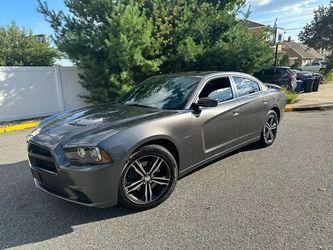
x: 290, y: 75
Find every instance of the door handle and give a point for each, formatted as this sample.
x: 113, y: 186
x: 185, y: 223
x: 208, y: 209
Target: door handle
x: 264, y: 101
x: 235, y: 113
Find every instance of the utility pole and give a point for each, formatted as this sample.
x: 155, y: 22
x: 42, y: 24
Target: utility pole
x: 276, y: 54
x: 277, y: 43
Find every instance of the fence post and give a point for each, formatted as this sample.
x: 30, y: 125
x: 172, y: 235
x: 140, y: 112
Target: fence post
x: 58, y: 83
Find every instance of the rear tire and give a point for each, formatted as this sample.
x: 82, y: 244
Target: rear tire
x: 269, y: 131
x: 148, y: 178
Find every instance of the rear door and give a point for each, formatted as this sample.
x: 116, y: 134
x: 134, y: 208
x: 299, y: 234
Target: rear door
x: 254, y: 107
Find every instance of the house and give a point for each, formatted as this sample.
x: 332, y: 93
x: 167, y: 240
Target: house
x: 254, y: 27
x: 300, y: 54
x: 257, y: 27
x: 41, y: 38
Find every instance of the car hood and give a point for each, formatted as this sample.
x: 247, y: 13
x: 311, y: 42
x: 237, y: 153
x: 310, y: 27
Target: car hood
x: 89, y: 126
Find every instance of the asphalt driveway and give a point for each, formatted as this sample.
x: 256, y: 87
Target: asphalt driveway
x: 275, y: 198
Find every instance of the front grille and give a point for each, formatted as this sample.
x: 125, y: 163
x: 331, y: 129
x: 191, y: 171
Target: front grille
x: 41, y: 157
x: 35, y: 149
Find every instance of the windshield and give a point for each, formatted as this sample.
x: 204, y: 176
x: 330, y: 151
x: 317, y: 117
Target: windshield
x: 161, y: 92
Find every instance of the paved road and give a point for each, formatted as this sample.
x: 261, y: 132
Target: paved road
x: 275, y: 198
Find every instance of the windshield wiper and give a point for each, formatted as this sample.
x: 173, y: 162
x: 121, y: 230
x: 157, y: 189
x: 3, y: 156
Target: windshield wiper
x: 139, y: 105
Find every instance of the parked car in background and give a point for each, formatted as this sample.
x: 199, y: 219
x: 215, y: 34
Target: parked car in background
x: 302, y: 75
x: 282, y: 76
x: 134, y: 150
x: 315, y: 66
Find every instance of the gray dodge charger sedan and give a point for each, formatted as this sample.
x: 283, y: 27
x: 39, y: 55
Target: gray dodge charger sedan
x: 133, y: 151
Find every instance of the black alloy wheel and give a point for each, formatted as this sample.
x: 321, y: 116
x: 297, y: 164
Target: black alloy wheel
x: 269, y: 131
x: 149, y: 177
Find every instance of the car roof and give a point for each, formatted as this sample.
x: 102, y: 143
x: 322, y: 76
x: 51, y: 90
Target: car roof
x: 200, y: 74
x: 186, y: 74
x: 277, y: 67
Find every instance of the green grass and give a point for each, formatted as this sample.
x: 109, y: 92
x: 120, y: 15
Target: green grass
x: 329, y: 76
x: 291, y: 96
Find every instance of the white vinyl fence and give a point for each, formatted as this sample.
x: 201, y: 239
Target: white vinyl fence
x: 30, y: 92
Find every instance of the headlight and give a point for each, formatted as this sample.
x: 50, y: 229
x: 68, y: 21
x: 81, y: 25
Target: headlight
x: 33, y: 133
x: 87, y: 155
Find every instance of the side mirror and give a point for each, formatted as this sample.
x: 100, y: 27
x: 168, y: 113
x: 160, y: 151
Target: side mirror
x: 207, y: 102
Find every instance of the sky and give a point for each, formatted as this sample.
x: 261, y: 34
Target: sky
x: 292, y: 15
x: 25, y: 14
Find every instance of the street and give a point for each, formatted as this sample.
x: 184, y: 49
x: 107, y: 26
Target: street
x: 279, y: 197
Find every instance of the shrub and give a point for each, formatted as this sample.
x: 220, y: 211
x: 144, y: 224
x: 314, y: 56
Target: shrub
x: 329, y: 76
x: 291, y: 96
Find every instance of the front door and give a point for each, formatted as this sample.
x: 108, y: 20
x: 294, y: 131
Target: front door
x: 217, y: 127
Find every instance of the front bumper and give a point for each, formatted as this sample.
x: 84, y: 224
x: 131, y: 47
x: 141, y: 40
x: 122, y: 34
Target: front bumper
x: 90, y: 185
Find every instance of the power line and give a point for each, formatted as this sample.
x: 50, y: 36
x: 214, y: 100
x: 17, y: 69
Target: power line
x: 295, y: 28
x: 283, y: 18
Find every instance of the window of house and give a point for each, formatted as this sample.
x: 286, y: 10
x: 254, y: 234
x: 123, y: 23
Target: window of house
x: 245, y: 86
x: 280, y: 37
x: 219, y: 89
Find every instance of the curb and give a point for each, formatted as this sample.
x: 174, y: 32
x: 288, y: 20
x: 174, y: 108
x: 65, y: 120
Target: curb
x: 22, y: 126
x: 323, y: 106
x: 288, y: 108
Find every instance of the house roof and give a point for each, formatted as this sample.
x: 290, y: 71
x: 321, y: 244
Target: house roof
x: 312, y: 51
x: 303, y: 50
x: 251, y: 24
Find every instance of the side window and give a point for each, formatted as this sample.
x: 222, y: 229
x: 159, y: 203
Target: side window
x: 219, y: 89
x: 280, y: 72
x: 269, y: 71
x: 315, y: 63
x: 245, y: 86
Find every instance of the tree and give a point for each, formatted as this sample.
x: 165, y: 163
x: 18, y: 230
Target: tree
x: 119, y: 43
x: 319, y: 33
x: 18, y: 47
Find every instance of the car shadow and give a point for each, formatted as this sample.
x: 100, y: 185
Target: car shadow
x: 250, y: 147
x: 28, y: 215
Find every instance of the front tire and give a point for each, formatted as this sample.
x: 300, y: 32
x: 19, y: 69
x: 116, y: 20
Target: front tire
x: 148, y: 178
x: 269, y: 132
